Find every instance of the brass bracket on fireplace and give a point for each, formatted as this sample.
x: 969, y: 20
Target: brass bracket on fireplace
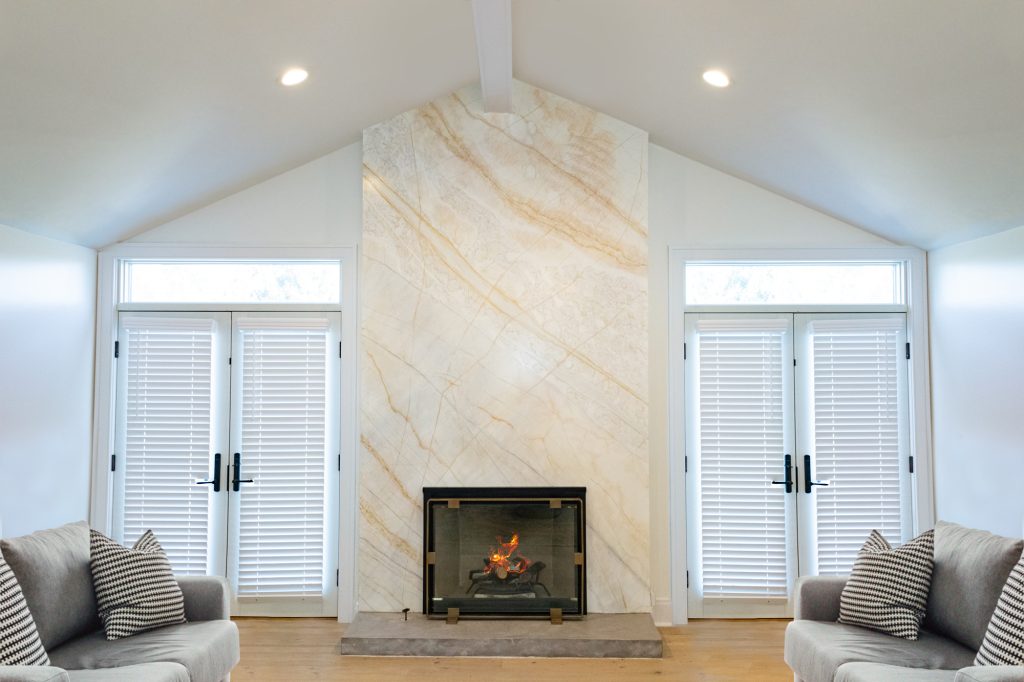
x: 453, y: 616
x: 577, y: 557
x: 453, y: 504
x: 555, y: 504
x: 431, y: 558
x: 556, y: 616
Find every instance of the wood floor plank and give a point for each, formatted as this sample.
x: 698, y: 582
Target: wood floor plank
x: 276, y: 649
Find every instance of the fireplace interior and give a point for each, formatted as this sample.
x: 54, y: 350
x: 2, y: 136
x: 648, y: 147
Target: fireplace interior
x: 504, y: 552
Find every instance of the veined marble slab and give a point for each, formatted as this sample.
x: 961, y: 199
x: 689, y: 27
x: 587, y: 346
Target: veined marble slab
x: 504, y: 331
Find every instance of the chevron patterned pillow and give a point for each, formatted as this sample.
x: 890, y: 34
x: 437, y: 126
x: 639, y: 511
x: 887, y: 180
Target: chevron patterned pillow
x: 19, y: 640
x: 888, y: 588
x: 1004, y: 640
x: 135, y: 588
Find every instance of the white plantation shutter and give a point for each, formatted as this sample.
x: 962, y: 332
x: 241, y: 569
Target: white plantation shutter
x: 283, y: 437
x: 858, y: 389
x: 167, y: 430
x: 741, y: 401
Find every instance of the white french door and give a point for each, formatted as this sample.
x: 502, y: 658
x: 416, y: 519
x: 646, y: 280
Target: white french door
x: 227, y: 442
x: 797, y: 446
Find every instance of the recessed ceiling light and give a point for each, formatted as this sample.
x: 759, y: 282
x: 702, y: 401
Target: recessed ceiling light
x: 294, y: 77
x: 717, y: 78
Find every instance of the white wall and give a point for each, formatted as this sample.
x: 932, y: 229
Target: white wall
x: 694, y: 206
x: 977, y: 352
x: 47, y: 316
x: 316, y: 204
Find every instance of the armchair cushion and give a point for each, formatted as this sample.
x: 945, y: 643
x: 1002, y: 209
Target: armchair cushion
x: 971, y: 567
x: 882, y: 672
x: 32, y: 673
x: 991, y: 673
x: 815, y: 650
x: 144, y: 672
x: 209, y: 649
x: 52, y: 567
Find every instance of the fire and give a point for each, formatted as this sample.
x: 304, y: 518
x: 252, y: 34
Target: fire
x: 504, y: 562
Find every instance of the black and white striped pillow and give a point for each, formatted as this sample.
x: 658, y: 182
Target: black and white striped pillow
x: 888, y: 588
x: 135, y: 588
x: 19, y: 640
x: 1004, y: 639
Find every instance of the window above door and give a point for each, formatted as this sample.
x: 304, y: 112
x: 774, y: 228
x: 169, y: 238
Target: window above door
x: 230, y: 281
x: 773, y: 283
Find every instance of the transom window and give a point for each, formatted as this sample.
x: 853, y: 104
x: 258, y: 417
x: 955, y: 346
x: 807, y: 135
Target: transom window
x: 234, y: 281
x: 794, y: 283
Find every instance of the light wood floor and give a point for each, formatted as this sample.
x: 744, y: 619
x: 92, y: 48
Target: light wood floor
x: 279, y: 649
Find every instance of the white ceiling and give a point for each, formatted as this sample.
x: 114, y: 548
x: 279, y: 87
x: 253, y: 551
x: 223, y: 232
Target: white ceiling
x: 905, y: 118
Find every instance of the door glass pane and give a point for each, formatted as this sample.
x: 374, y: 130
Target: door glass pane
x: 856, y: 412
x: 741, y: 407
x: 283, y: 444
x: 168, y: 402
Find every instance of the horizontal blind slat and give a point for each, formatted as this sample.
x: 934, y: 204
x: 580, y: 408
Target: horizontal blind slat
x: 856, y: 435
x: 283, y: 432
x: 741, y: 431
x: 168, y: 397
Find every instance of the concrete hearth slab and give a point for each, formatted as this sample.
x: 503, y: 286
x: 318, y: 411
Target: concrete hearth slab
x: 599, y: 635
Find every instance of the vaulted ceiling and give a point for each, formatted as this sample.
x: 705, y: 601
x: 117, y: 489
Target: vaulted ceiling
x: 904, y: 118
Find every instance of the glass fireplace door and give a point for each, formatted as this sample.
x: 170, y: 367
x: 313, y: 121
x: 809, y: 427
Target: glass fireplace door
x: 504, y: 556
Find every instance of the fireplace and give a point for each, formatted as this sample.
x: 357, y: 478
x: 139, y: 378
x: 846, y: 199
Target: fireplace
x: 504, y: 552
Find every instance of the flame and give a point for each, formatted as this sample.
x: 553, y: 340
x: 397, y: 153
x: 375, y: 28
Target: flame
x: 503, y: 558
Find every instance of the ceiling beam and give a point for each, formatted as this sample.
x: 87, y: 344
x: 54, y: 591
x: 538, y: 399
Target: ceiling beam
x: 492, y: 20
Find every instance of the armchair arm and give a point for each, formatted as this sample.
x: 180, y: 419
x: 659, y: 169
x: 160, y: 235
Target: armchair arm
x: 817, y: 597
x: 991, y: 673
x: 32, y: 673
x: 207, y: 597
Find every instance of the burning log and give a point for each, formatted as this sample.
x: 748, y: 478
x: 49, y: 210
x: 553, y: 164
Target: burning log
x: 507, y: 573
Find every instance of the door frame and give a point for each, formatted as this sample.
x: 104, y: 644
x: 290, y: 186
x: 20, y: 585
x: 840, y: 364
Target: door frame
x: 916, y: 308
x: 108, y: 304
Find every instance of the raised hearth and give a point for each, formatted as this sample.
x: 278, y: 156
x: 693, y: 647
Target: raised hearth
x: 600, y: 635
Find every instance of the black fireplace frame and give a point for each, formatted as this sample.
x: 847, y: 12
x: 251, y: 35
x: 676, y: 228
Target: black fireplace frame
x: 552, y: 495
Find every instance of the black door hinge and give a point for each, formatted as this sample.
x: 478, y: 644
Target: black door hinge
x: 339, y: 462
x: 684, y: 351
x: 117, y: 349
x: 339, y: 349
x: 686, y: 465
x: 337, y: 578
x: 113, y: 462
x: 229, y: 362
x: 908, y: 350
x: 687, y: 580
x: 911, y: 464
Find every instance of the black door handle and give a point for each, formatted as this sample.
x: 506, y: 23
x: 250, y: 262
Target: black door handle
x: 236, y: 479
x: 808, y: 483
x: 787, y: 463
x: 216, y: 474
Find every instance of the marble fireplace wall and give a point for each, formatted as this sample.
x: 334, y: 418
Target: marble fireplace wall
x: 504, y: 328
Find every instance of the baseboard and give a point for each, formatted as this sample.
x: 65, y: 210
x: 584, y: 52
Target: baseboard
x: 662, y: 613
